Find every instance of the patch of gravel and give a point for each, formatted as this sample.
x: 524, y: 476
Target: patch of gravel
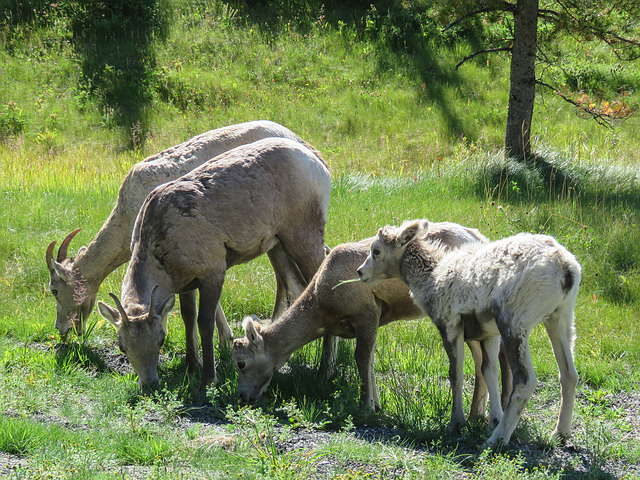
x: 570, y: 458
x: 575, y: 460
x: 10, y: 463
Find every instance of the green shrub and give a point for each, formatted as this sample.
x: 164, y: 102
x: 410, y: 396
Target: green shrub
x: 12, y: 120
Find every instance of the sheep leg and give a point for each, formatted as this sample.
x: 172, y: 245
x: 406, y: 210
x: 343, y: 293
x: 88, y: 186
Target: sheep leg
x: 290, y: 282
x: 365, y: 356
x: 188, y: 311
x: 560, y: 331
x: 306, y: 249
x: 505, y: 375
x: 453, y: 341
x: 490, y: 350
x: 478, y: 407
x: 516, y: 346
x: 225, y: 335
x: 210, y: 291
x: 329, y: 360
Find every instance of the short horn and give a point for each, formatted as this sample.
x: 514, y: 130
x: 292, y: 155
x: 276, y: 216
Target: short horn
x: 153, y: 299
x: 50, y: 254
x: 123, y: 314
x: 64, y: 246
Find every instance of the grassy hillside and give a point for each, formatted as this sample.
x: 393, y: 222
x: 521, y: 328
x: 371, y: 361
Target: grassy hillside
x: 405, y: 135
x: 385, y: 84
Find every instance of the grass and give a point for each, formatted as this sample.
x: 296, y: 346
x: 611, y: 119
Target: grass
x: 73, y: 389
x: 405, y: 137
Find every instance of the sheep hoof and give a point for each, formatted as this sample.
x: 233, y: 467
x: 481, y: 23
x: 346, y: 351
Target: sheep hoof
x: 560, y: 438
x: 454, y: 427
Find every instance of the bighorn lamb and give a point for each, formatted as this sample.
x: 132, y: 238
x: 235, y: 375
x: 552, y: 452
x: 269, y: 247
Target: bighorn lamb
x: 489, y: 292
x: 190, y: 231
x: 348, y: 310
x: 74, y: 282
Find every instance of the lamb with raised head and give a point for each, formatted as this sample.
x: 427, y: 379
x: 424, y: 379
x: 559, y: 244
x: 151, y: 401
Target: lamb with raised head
x: 74, y: 281
x: 349, y: 310
x: 190, y: 231
x: 498, y: 291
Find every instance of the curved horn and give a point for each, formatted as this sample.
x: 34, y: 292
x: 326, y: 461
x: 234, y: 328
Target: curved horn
x: 50, y: 254
x: 62, y: 253
x: 153, y: 299
x: 123, y: 314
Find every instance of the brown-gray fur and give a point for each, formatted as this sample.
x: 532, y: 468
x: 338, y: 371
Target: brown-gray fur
x: 74, y: 281
x: 507, y: 287
x: 190, y: 231
x: 349, y: 310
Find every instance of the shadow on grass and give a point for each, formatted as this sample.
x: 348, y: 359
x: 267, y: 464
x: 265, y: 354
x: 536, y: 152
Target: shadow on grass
x: 545, y: 176
x: 83, y: 356
x: 115, y: 42
x: 299, y: 398
x: 404, y: 34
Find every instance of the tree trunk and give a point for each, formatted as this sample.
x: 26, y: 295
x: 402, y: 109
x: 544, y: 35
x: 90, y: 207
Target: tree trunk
x: 522, y: 91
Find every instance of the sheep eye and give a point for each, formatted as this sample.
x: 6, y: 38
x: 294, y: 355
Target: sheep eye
x: 241, y: 365
x: 54, y: 293
x: 375, y: 252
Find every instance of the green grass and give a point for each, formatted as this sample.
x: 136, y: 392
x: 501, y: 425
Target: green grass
x: 405, y: 137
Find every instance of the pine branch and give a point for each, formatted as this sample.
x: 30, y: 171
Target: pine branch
x: 497, y: 7
x: 603, y: 115
x: 481, y: 52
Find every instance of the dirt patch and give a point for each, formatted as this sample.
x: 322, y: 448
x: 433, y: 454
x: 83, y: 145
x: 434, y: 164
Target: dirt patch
x: 10, y: 463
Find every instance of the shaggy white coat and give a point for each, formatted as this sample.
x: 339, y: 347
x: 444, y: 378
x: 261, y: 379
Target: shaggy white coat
x: 487, y: 292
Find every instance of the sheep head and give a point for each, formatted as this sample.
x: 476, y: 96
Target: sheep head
x: 385, y: 256
x: 255, y: 368
x: 141, y: 334
x: 74, y: 297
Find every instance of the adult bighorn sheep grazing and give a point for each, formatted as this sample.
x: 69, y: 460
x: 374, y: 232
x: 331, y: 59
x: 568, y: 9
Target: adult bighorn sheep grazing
x: 500, y: 290
x: 350, y: 310
x: 190, y: 231
x: 74, y: 281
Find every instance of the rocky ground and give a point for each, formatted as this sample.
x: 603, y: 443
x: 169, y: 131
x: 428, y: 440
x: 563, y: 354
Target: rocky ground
x: 583, y: 462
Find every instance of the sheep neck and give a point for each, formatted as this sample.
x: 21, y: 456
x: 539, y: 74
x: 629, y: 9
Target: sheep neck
x: 294, y: 329
x: 108, y: 250
x: 418, y: 263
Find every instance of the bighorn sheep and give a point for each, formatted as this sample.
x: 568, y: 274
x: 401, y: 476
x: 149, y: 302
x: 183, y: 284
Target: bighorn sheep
x: 190, y: 231
x: 489, y: 292
x: 74, y: 282
x: 349, y: 310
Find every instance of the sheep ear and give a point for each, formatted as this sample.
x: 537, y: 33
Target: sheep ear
x: 60, y: 271
x: 409, y: 233
x: 109, y: 313
x: 386, y: 235
x: 164, y: 308
x: 163, y: 311
x: 252, y: 332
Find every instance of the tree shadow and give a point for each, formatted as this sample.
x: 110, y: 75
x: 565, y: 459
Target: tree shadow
x: 405, y: 35
x: 115, y: 42
x: 402, y: 33
x: 543, y: 176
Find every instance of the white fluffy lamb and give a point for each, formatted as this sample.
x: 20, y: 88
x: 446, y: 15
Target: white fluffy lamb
x: 486, y: 292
